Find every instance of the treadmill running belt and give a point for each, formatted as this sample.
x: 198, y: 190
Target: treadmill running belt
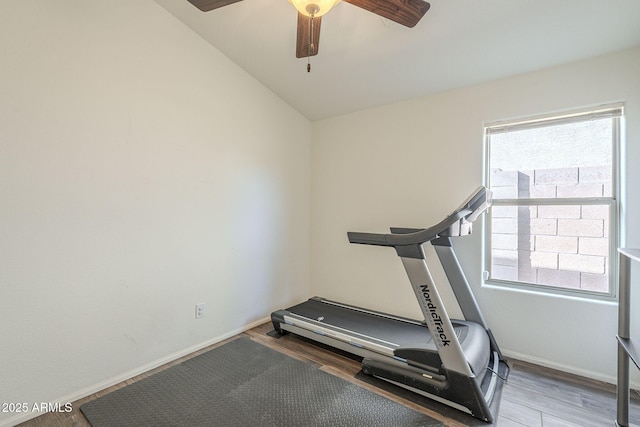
x: 393, y: 330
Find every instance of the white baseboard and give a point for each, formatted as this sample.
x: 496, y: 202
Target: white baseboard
x: 565, y: 368
x: 22, y: 417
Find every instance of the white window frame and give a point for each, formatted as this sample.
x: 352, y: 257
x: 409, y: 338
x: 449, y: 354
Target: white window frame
x: 616, y: 113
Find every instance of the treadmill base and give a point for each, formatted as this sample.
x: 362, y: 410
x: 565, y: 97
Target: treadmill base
x: 443, y: 408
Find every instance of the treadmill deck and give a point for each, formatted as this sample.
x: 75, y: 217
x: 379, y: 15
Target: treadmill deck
x: 395, y: 331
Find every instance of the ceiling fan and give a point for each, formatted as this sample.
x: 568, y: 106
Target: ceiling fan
x: 405, y: 12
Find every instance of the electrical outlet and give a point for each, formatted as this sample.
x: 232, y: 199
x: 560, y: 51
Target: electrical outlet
x: 200, y: 310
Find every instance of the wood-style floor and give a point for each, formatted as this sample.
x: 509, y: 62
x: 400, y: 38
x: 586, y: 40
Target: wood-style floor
x: 533, y: 396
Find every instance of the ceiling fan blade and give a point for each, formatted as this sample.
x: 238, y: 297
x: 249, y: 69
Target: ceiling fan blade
x: 405, y: 12
x: 207, y: 5
x: 302, y: 41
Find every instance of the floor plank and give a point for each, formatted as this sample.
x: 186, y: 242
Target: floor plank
x: 533, y: 396
x: 518, y: 413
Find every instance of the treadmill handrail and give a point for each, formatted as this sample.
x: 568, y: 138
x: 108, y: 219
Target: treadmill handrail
x: 406, y: 239
x: 465, y: 214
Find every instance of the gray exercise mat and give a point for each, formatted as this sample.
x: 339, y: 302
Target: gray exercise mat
x: 243, y: 383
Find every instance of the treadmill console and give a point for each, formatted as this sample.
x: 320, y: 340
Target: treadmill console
x: 475, y: 205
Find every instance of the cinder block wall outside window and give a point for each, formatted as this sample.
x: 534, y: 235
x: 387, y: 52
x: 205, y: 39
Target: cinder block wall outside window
x: 565, y: 246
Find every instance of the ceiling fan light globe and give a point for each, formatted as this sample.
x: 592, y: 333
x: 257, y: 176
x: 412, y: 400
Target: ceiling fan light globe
x: 313, y: 7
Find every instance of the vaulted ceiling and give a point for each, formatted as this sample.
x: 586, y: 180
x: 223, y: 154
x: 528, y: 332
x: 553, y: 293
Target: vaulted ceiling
x: 366, y: 61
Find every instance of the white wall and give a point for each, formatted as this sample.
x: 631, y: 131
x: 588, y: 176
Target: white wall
x: 411, y: 163
x: 141, y: 172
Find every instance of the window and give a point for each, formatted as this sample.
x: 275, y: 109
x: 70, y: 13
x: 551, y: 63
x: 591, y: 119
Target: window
x: 553, y: 223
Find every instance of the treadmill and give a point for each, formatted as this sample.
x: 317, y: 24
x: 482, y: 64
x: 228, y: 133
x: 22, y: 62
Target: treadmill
x: 455, y: 362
